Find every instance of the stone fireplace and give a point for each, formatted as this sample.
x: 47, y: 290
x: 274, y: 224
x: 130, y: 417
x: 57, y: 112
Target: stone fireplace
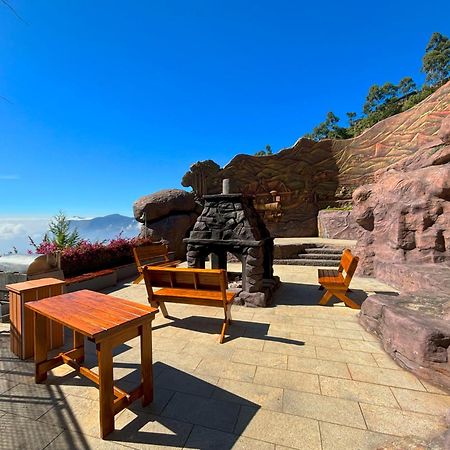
x: 229, y: 223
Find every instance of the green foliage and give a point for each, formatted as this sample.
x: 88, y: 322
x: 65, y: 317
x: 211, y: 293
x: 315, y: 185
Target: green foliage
x: 266, y: 152
x: 59, y: 232
x: 388, y: 99
x: 328, y: 129
x: 436, y: 61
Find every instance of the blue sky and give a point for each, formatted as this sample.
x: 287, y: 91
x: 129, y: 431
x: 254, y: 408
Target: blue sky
x: 108, y: 100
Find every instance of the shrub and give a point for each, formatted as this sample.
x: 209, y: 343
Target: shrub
x: 88, y: 256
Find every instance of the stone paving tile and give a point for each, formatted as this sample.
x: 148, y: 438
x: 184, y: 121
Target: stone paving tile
x: 318, y: 366
x: 320, y: 407
x: 346, y: 356
x: 389, y: 377
x: 313, y: 322
x: 338, y: 333
x: 422, y: 402
x: 225, y: 369
x: 6, y: 385
x: 186, y: 381
x: 70, y: 440
x: 289, y: 348
x: 318, y: 341
x: 266, y: 359
x: 339, y: 437
x: 30, y: 400
x: 20, y: 432
x: 249, y: 394
x: 300, y: 381
x: 145, y: 431
x: 361, y: 346
x: 244, y: 343
x: 278, y: 428
x: 347, y: 325
x: 76, y: 414
x: 284, y: 330
x: 357, y: 391
x: 401, y: 423
x: 207, y: 439
x: 212, y: 413
x: 182, y: 361
x: 434, y: 389
x: 385, y: 361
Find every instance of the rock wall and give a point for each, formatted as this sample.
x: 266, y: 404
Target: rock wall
x: 337, y: 225
x: 291, y: 186
x: 405, y: 215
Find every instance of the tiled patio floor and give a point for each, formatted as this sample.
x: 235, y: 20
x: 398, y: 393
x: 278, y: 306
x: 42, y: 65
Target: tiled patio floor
x: 295, y: 375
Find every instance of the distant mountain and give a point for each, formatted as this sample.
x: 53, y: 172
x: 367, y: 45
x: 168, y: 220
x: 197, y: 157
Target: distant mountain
x: 106, y: 228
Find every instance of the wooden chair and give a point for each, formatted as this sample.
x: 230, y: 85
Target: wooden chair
x: 154, y: 255
x: 206, y: 287
x: 336, y: 282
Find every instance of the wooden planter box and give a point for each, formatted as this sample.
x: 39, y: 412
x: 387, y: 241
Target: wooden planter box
x: 21, y: 318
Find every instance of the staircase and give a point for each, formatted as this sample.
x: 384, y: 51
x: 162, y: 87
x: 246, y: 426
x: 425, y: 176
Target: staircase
x: 315, y: 255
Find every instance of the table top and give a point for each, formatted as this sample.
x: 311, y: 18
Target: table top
x: 93, y: 314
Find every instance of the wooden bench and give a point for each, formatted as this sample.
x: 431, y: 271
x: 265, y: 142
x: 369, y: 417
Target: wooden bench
x: 154, y: 255
x: 336, y: 282
x: 206, y: 287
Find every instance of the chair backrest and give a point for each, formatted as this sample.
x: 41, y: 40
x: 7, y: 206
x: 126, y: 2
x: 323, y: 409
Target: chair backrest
x: 348, y: 265
x: 146, y: 254
x: 185, y: 278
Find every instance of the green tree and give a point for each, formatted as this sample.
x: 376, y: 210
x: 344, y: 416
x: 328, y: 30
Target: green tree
x: 351, y: 118
x: 329, y: 129
x: 407, y: 86
x: 266, y: 152
x: 59, y: 232
x: 436, y: 61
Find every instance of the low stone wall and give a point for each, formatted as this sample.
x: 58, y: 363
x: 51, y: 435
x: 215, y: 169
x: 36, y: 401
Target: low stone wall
x: 414, y: 330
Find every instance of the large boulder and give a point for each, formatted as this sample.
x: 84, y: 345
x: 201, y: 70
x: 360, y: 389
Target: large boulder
x: 171, y: 229
x: 163, y: 203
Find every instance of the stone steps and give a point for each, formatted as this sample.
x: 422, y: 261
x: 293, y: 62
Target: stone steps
x: 314, y: 255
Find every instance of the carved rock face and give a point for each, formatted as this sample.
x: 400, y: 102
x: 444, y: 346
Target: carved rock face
x: 406, y: 216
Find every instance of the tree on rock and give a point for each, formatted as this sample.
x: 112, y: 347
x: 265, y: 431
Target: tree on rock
x: 436, y: 61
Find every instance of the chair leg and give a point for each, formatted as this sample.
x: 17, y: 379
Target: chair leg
x: 348, y: 301
x: 224, y: 329
x: 321, y: 288
x: 228, y: 315
x: 325, y: 298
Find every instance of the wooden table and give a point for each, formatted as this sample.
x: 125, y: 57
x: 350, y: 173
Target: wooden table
x: 107, y: 321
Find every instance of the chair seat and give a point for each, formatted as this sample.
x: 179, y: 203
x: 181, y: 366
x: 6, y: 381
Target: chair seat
x: 330, y: 277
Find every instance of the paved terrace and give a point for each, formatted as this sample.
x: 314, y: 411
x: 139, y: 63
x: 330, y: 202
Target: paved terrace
x: 293, y: 376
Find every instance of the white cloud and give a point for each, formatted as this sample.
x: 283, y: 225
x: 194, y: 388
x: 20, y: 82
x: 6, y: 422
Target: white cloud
x: 9, y: 230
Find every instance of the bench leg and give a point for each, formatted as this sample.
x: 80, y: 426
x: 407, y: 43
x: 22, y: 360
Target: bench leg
x: 224, y: 329
x: 321, y: 288
x: 228, y: 314
x: 78, y: 343
x: 163, y: 309
x: 138, y: 279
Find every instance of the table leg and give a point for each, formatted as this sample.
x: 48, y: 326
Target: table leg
x: 105, y: 374
x: 146, y: 363
x: 78, y: 344
x: 40, y: 346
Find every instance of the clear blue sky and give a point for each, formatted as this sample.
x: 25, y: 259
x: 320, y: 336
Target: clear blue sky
x: 111, y: 100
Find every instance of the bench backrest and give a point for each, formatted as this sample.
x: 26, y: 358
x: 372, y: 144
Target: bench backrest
x: 151, y: 253
x: 181, y: 278
x: 348, y: 266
